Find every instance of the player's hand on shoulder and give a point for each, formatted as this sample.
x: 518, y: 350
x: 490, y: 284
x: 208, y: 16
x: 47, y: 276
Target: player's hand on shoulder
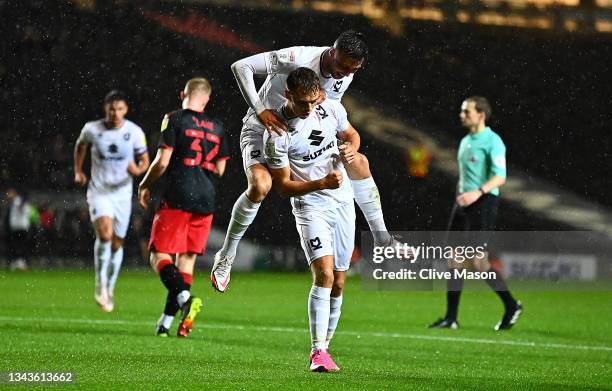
x: 333, y: 180
x: 347, y: 152
x: 272, y: 122
x: 144, y: 197
x: 80, y: 178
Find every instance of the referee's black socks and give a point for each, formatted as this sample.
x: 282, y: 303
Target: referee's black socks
x: 497, y: 283
x: 454, y: 286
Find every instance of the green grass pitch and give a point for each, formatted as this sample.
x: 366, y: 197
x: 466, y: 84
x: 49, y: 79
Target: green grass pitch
x: 256, y: 337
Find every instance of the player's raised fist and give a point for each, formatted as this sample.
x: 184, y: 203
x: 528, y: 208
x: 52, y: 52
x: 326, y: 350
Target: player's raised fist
x: 80, y: 178
x: 333, y: 180
x: 272, y: 122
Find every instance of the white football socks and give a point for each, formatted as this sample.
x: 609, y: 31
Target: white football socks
x: 334, y: 316
x: 182, y: 297
x: 318, y: 315
x: 368, y: 199
x: 102, y: 255
x: 165, y: 321
x: 115, y: 266
x: 243, y: 214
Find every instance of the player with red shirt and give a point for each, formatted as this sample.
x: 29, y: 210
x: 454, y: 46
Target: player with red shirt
x: 192, y: 152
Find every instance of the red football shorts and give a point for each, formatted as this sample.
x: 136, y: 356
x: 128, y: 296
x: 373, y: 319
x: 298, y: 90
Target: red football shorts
x: 178, y: 231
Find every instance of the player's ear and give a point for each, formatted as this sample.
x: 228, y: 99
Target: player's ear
x: 182, y: 95
x: 287, y: 94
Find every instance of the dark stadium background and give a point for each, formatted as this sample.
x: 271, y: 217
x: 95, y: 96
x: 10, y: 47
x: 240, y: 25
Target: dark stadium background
x: 550, y: 91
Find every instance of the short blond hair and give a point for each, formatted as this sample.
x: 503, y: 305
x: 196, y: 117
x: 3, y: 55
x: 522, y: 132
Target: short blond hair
x: 198, y: 84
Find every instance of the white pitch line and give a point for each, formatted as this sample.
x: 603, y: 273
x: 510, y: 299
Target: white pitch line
x: 300, y: 330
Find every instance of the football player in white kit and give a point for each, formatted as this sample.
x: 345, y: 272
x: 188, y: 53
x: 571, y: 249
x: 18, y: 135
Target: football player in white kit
x: 308, y: 164
x: 334, y: 66
x: 118, y: 153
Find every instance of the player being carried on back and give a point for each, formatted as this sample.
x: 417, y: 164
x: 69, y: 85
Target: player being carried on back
x: 334, y: 67
x: 192, y: 152
x: 308, y: 164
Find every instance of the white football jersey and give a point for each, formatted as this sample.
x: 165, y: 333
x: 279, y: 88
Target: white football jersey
x: 309, y: 147
x: 111, y: 152
x: 281, y: 62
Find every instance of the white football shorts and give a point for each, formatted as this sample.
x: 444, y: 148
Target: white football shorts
x: 116, y: 204
x: 329, y: 232
x: 252, y: 147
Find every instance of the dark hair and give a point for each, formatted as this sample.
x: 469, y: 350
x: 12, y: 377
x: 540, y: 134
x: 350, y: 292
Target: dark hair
x: 481, y: 104
x: 114, y: 96
x: 304, y: 79
x: 353, y: 44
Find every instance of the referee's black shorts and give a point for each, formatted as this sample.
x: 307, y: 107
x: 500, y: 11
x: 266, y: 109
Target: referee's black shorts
x: 480, y: 218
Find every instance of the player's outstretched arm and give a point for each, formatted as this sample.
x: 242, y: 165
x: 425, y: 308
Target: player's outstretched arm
x: 244, y: 70
x: 290, y: 188
x: 80, y: 151
x: 156, y: 170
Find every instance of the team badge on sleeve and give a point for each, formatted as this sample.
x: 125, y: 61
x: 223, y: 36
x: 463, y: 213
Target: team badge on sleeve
x: 500, y: 161
x: 164, y: 124
x: 270, y: 149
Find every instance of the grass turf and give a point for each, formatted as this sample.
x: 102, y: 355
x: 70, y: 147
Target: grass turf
x: 256, y: 337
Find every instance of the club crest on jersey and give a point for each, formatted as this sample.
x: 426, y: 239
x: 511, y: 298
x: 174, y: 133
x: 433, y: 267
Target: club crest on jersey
x: 127, y: 136
x: 316, y: 138
x: 337, y: 85
x: 321, y: 111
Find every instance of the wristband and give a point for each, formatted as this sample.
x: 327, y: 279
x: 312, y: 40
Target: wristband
x: 482, y: 190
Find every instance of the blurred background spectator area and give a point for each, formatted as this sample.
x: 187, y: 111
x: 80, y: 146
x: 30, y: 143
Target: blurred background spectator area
x: 545, y: 66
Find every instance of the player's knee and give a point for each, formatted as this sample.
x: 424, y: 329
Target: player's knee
x: 259, y: 188
x: 324, y: 278
x: 116, y: 243
x: 362, y: 164
x: 455, y: 264
x: 105, y: 234
x: 359, y: 168
x: 153, y: 261
x: 481, y: 265
x: 337, y: 287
